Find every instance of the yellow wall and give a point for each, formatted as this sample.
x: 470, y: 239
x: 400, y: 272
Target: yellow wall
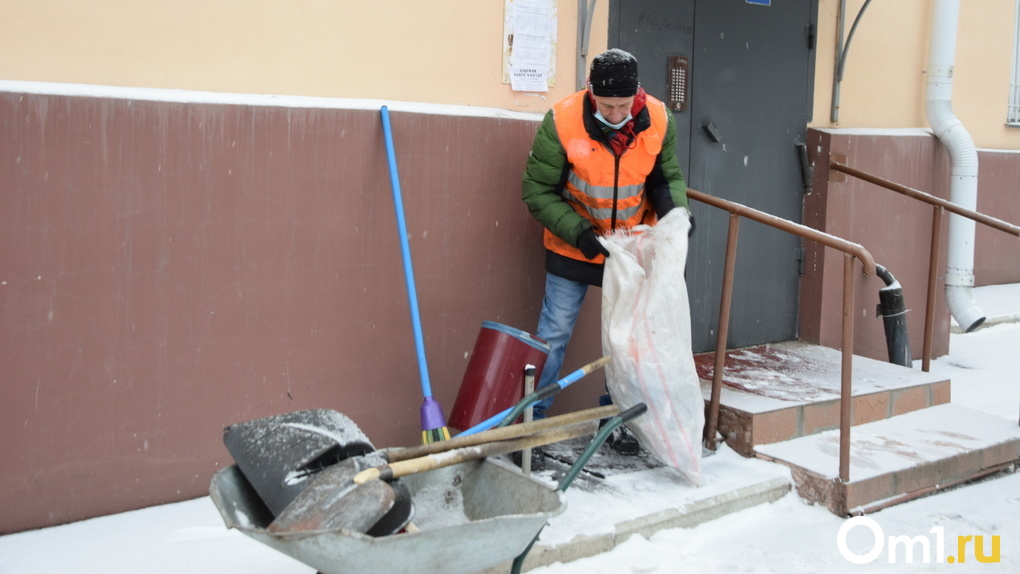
x: 446, y: 52
x: 884, y: 79
x: 450, y: 52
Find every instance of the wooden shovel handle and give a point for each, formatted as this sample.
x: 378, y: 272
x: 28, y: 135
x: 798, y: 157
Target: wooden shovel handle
x: 449, y: 458
x: 504, y: 433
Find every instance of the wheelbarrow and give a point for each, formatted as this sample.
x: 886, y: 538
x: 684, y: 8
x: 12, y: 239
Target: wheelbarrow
x: 281, y: 454
x: 469, y: 516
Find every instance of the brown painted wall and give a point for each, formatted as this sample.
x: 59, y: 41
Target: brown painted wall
x: 893, y: 228
x: 897, y: 232
x: 998, y: 254
x: 167, y: 269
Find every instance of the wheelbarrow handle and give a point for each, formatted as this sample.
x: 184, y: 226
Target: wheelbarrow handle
x: 457, y: 456
x: 611, y: 425
x: 504, y: 433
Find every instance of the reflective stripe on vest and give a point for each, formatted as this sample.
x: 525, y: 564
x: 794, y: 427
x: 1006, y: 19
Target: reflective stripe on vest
x: 597, y: 175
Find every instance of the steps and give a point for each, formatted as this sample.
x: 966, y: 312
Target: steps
x: 781, y: 403
x: 778, y: 392
x: 898, y: 459
x: 780, y: 410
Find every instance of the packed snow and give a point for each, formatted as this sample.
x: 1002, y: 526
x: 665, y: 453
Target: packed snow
x: 787, y: 536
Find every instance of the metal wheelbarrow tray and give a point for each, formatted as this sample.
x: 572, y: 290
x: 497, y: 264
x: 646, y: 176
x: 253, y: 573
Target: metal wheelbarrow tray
x: 469, y: 516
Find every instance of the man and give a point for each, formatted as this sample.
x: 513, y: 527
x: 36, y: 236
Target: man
x: 603, y: 159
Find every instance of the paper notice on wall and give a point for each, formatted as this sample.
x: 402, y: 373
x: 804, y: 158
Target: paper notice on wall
x: 529, y: 79
x: 531, y: 33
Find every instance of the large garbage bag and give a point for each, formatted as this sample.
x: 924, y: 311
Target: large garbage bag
x: 646, y: 328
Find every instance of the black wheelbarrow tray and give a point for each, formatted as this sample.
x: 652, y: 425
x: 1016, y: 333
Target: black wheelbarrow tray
x: 468, y: 517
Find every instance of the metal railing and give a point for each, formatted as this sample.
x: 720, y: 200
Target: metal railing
x: 850, y: 251
x: 940, y: 206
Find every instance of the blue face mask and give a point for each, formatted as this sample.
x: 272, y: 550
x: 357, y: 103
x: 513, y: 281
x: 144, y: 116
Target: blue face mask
x: 599, y: 117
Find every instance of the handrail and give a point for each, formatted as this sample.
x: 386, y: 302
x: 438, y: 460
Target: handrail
x: 855, y: 249
x: 850, y: 251
x: 930, y: 199
x: 940, y: 207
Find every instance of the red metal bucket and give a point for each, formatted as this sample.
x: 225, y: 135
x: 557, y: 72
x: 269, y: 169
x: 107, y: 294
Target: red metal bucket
x: 494, y: 380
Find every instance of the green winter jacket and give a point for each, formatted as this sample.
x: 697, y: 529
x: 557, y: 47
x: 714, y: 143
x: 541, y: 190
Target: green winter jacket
x: 546, y: 173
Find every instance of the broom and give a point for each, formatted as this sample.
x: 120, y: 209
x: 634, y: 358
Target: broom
x: 433, y: 423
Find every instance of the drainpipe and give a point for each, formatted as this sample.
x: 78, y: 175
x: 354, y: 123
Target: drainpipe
x: 893, y: 311
x: 962, y: 152
x: 585, y: 13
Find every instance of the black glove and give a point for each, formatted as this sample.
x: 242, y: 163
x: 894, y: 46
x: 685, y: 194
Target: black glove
x: 690, y: 231
x: 590, y: 245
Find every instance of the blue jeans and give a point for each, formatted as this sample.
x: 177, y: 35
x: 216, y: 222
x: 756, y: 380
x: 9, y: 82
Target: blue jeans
x: 560, y: 306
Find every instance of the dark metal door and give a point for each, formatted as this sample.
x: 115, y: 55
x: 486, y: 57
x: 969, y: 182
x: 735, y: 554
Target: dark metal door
x: 748, y: 75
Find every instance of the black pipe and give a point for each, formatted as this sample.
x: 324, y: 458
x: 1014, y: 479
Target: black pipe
x: 893, y: 311
x: 807, y: 169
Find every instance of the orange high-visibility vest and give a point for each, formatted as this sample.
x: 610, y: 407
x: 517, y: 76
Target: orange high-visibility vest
x: 597, y: 176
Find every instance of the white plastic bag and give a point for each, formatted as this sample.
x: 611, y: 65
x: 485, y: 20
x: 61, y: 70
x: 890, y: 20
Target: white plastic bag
x: 646, y: 328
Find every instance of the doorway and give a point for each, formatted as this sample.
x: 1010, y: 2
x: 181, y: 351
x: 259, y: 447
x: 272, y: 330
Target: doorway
x: 739, y: 77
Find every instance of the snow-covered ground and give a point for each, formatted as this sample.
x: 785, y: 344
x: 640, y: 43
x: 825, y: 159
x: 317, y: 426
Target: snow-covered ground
x: 787, y: 536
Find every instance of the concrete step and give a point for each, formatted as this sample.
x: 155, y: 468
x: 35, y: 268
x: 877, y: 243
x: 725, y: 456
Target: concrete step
x: 897, y: 459
x: 617, y: 496
x: 777, y: 392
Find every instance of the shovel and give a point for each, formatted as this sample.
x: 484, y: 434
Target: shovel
x: 433, y: 461
x: 328, y: 504
x: 385, y: 456
x: 398, y: 514
x: 277, y: 453
x: 281, y: 455
x: 500, y: 434
x: 347, y: 498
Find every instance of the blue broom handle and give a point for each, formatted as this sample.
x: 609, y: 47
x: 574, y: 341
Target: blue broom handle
x: 405, y: 248
x: 527, y: 401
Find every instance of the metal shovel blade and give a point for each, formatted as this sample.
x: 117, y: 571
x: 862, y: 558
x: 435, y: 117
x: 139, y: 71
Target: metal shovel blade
x: 333, y: 502
x: 399, y: 515
x: 280, y: 454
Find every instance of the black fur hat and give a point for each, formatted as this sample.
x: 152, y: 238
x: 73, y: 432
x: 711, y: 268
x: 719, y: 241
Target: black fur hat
x: 614, y: 74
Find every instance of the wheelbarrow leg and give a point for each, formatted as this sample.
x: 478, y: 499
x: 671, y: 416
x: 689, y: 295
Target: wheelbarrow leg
x: 603, y: 434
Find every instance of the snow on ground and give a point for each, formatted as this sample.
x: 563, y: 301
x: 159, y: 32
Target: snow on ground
x: 787, y: 536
